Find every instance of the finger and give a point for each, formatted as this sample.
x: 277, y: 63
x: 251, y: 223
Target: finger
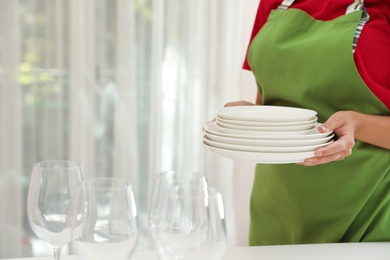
x: 326, y: 159
x: 334, y: 122
x: 343, y: 145
x: 333, y: 152
x: 239, y: 103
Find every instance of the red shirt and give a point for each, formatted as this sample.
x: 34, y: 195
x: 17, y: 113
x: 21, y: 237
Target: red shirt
x: 372, y: 54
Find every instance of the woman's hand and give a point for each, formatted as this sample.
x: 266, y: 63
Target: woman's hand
x: 348, y: 126
x: 239, y: 103
x: 236, y: 103
x: 344, y: 124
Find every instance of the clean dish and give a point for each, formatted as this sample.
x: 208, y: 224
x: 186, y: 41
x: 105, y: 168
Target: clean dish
x: 211, y: 127
x: 290, y: 128
x: 266, y: 142
x: 278, y: 149
x: 261, y: 123
x: 261, y: 133
x: 266, y: 113
x: 264, y: 158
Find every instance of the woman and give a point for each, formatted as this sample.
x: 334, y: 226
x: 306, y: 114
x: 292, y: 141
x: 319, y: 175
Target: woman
x: 332, y: 57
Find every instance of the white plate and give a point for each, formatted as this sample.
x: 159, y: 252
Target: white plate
x: 265, y: 158
x: 260, y: 123
x: 262, y: 132
x: 249, y: 148
x: 262, y: 142
x: 266, y: 113
x: 211, y: 127
x: 307, y: 126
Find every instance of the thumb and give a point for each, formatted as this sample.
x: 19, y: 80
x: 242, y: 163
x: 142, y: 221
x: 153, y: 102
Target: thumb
x: 331, y: 124
x: 324, y: 128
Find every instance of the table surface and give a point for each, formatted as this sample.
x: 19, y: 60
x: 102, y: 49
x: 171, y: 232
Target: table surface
x: 341, y: 251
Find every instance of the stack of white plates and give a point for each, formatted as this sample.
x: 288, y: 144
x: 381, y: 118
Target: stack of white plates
x: 265, y: 134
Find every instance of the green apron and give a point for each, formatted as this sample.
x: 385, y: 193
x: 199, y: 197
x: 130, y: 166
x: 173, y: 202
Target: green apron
x: 303, y: 62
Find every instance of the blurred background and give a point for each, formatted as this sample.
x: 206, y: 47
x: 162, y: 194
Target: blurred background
x: 124, y: 87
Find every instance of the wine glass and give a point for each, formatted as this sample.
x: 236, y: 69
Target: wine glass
x: 111, y: 229
x: 214, y: 247
x: 52, y: 210
x: 178, y: 215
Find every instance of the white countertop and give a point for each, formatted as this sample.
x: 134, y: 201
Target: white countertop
x: 341, y: 251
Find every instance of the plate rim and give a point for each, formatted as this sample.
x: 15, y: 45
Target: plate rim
x: 263, y: 133
x: 207, y: 128
x: 267, y: 149
x: 278, y: 143
x: 242, y: 155
x: 261, y: 123
x: 284, y: 128
x: 226, y: 112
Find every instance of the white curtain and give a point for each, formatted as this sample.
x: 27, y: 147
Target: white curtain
x: 11, y: 157
x: 123, y: 86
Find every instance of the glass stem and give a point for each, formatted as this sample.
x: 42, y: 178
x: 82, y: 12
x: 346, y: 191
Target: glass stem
x: 57, y: 252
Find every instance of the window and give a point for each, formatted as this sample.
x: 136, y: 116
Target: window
x: 122, y: 86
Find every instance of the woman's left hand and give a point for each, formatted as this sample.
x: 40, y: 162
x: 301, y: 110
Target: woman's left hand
x: 343, y: 125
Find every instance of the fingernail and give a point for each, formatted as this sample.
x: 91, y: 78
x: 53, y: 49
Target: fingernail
x: 324, y: 128
x: 308, y: 162
x: 318, y: 153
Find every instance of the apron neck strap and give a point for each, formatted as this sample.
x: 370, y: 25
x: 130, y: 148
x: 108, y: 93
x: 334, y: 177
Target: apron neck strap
x: 355, y: 6
x: 285, y: 4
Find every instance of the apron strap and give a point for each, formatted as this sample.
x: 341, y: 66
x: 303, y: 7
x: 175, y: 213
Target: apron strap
x: 357, y: 5
x: 285, y: 4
